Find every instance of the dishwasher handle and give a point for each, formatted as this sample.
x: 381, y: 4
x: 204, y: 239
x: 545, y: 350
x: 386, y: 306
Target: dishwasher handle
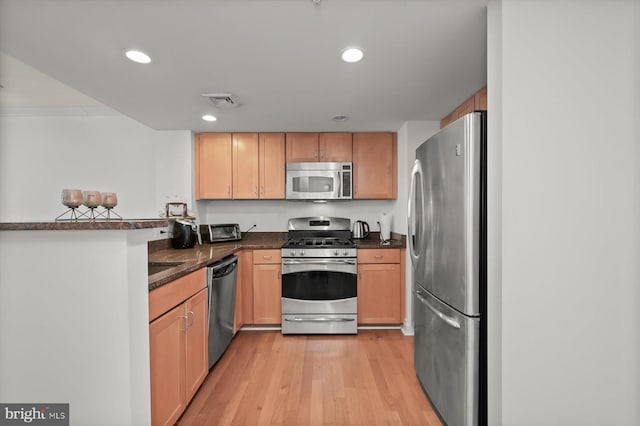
x: 223, y: 267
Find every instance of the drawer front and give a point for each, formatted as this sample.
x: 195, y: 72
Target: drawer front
x: 266, y: 256
x: 172, y: 294
x: 379, y: 256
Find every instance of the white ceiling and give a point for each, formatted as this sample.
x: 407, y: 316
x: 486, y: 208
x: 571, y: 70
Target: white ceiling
x: 280, y: 58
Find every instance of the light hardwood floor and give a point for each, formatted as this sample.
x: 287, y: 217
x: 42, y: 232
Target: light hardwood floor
x: 265, y: 378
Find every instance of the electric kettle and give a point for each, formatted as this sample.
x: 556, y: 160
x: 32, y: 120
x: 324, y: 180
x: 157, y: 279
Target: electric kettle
x: 360, y: 229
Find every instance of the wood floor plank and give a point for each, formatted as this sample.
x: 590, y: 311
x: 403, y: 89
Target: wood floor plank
x: 265, y: 378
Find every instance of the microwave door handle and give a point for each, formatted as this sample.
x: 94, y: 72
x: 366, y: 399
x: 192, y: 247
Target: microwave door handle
x: 339, y: 184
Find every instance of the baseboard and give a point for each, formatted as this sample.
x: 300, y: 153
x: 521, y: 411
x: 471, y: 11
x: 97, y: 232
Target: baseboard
x: 407, y: 329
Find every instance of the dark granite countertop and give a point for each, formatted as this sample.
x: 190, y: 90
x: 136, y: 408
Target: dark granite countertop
x: 202, y: 255
x: 373, y: 241
x: 85, y: 225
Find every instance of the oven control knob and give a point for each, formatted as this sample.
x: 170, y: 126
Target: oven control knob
x: 292, y: 253
x: 335, y: 253
x: 301, y: 252
x: 345, y: 253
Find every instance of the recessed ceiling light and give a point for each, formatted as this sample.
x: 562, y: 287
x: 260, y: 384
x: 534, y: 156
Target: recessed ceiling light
x: 352, y: 54
x: 209, y: 117
x: 340, y: 118
x: 137, y: 56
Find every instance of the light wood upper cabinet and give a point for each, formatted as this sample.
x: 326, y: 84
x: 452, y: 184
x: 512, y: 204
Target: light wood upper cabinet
x: 213, y: 165
x: 480, y: 99
x: 477, y: 102
x: 272, y: 165
x: 240, y: 165
x: 302, y: 147
x: 375, y: 174
x: 380, y: 286
x: 245, y: 165
x: 252, y: 165
x: 335, y: 147
x: 324, y: 147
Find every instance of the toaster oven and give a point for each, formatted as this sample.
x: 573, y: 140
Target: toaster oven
x: 214, y: 233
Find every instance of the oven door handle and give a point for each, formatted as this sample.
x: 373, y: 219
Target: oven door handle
x: 319, y: 319
x: 319, y: 262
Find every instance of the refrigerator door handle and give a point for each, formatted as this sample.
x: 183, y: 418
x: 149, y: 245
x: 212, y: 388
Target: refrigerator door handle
x: 417, y: 171
x: 451, y: 321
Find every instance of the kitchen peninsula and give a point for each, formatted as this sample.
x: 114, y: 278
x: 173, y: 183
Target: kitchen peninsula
x: 74, y: 317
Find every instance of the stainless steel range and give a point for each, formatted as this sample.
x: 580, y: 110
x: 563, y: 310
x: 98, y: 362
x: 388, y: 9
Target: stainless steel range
x: 319, y: 277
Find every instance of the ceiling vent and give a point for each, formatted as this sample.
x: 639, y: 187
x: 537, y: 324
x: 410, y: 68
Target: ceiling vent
x: 222, y: 100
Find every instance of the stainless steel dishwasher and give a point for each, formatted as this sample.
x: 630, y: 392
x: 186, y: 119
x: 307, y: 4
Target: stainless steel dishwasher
x: 221, y: 281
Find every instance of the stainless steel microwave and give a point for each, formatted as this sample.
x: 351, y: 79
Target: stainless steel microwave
x: 319, y: 181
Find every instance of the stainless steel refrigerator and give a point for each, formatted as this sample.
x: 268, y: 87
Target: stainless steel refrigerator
x: 447, y: 244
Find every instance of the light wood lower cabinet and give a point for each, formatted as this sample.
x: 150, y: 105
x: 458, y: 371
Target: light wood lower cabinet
x: 178, y: 345
x: 267, y: 287
x: 244, y: 290
x: 168, y: 373
x: 381, y: 288
x: 197, y: 341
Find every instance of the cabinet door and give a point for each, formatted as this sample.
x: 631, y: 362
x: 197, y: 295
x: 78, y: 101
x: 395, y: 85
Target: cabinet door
x: 379, y: 294
x: 302, y: 147
x: 197, y: 350
x: 375, y: 166
x: 336, y: 147
x: 213, y: 165
x: 272, y: 168
x: 245, y: 165
x: 167, y: 359
x: 244, y: 303
x: 267, y: 290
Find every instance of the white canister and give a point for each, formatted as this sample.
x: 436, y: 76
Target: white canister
x: 385, y: 226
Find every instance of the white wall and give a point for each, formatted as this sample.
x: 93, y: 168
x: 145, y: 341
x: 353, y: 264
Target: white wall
x: 41, y: 155
x: 74, y: 323
x: 570, y: 200
x: 494, y: 213
x: 272, y: 215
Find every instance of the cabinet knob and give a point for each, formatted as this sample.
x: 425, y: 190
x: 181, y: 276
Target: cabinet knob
x: 378, y: 256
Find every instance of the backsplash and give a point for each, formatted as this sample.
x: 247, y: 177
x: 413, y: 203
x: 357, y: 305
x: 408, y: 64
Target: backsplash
x: 272, y: 215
